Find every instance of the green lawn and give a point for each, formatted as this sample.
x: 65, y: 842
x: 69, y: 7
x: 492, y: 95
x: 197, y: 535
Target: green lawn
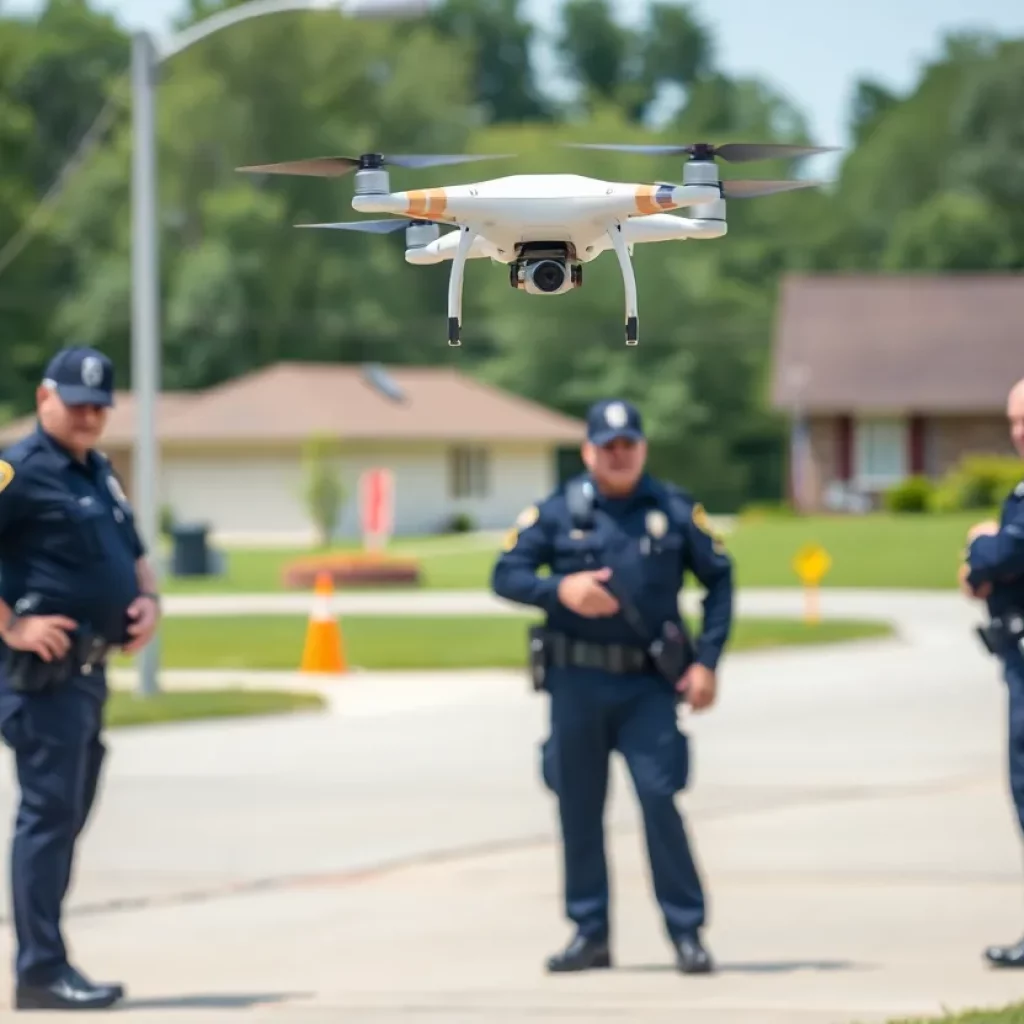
x: 919, y: 552
x: 448, y: 563
x: 275, y: 642
x: 125, y: 708
x: 867, y: 551
x: 1012, y: 1014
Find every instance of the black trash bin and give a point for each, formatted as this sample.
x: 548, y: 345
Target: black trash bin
x: 191, y: 555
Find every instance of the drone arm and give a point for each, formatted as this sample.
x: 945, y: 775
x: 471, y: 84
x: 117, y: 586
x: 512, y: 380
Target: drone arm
x: 615, y: 233
x: 667, y: 227
x: 466, y: 238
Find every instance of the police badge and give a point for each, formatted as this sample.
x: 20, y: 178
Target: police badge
x: 657, y: 523
x: 92, y: 372
x: 616, y: 416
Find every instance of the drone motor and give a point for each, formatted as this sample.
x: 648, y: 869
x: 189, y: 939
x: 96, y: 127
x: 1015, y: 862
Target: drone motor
x: 421, y: 233
x: 700, y: 171
x: 372, y: 178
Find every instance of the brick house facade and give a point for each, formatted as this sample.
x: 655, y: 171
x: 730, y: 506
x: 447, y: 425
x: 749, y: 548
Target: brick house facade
x: 888, y: 376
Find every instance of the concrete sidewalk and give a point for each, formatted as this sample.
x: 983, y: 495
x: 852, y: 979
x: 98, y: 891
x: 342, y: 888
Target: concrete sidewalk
x: 816, y: 919
x: 395, y: 859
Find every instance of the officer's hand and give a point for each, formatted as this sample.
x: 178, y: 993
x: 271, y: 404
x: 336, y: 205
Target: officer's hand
x: 46, y: 635
x: 699, y: 684
x: 981, y: 592
x: 145, y: 614
x: 986, y: 529
x: 583, y: 593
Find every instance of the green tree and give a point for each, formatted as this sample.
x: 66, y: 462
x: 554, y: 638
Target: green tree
x: 325, y: 491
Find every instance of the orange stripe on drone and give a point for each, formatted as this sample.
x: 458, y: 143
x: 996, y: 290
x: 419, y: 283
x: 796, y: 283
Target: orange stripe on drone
x: 654, y: 199
x: 645, y: 201
x: 427, y: 204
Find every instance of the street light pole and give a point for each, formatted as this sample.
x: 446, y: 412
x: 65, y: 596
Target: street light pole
x: 146, y: 319
x: 146, y: 344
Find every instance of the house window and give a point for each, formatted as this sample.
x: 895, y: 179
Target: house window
x: 880, y: 453
x: 469, y: 473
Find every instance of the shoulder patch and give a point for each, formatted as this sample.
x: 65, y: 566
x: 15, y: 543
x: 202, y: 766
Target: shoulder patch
x: 700, y: 519
x: 510, y: 540
x: 6, y: 475
x: 528, y: 517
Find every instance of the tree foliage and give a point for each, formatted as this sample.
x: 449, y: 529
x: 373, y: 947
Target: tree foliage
x: 935, y: 182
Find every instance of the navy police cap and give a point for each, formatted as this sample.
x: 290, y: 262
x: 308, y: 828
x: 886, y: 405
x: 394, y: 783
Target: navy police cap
x: 612, y: 419
x: 81, y: 376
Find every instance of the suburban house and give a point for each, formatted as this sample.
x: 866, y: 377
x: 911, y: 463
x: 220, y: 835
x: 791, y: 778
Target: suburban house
x: 887, y: 376
x: 233, y: 456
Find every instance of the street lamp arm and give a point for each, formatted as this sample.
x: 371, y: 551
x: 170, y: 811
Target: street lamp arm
x: 259, y: 8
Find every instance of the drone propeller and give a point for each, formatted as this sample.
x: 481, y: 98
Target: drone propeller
x: 753, y: 189
x: 337, y: 166
x: 371, y: 227
x: 734, y: 152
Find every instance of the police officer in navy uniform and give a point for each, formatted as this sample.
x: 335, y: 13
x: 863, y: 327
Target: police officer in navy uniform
x: 605, y: 692
x: 993, y: 571
x: 74, y: 584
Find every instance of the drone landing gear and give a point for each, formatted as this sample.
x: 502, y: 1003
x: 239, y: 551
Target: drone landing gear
x: 629, y: 281
x: 466, y: 239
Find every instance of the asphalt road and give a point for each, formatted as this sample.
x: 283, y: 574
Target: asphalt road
x: 393, y: 860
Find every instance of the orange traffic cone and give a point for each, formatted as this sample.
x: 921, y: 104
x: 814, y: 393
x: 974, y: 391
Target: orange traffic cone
x: 323, y: 651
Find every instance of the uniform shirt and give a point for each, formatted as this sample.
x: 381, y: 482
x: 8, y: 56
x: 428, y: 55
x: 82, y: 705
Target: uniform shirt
x: 68, y: 534
x: 999, y: 559
x: 648, y: 540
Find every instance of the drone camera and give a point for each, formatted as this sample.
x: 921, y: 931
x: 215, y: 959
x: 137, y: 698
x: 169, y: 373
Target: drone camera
x: 546, y: 275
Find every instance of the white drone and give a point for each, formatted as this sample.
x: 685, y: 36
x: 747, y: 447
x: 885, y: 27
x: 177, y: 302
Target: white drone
x: 545, y: 226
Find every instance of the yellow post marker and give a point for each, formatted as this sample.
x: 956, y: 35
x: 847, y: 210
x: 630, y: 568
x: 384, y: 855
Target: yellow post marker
x: 811, y: 563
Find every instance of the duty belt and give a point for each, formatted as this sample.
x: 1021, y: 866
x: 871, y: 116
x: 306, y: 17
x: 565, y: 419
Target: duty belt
x: 90, y: 652
x: 1004, y: 633
x: 568, y: 652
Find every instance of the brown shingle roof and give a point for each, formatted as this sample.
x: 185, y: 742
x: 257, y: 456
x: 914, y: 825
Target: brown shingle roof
x: 121, y: 424
x: 295, y: 401
x: 948, y: 343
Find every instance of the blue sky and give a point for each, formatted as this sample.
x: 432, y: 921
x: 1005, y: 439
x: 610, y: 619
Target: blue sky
x: 812, y: 50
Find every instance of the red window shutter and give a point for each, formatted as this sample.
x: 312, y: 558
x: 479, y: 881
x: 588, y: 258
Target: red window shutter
x: 916, y: 442
x: 844, y: 448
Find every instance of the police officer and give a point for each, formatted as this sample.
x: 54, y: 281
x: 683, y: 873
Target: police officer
x: 993, y: 571
x: 613, y: 589
x: 74, y: 584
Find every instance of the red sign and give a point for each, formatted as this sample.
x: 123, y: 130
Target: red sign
x: 377, y: 506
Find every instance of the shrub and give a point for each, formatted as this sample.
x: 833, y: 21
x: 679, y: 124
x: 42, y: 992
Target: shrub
x: 166, y: 521
x: 914, y: 494
x: 766, y: 510
x: 324, y: 491
x: 352, y: 569
x: 459, y: 522
x: 978, y: 482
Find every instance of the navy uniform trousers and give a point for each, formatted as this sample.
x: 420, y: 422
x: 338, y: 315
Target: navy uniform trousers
x: 1013, y: 673
x: 594, y: 713
x: 58, y: 754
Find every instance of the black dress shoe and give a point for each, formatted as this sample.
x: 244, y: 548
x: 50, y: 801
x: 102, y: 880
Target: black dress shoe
x: 1006, y: 956
x: 692, y: 957
x: 582, y: 954
x: 69, y: 991
x: 115, y: 987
